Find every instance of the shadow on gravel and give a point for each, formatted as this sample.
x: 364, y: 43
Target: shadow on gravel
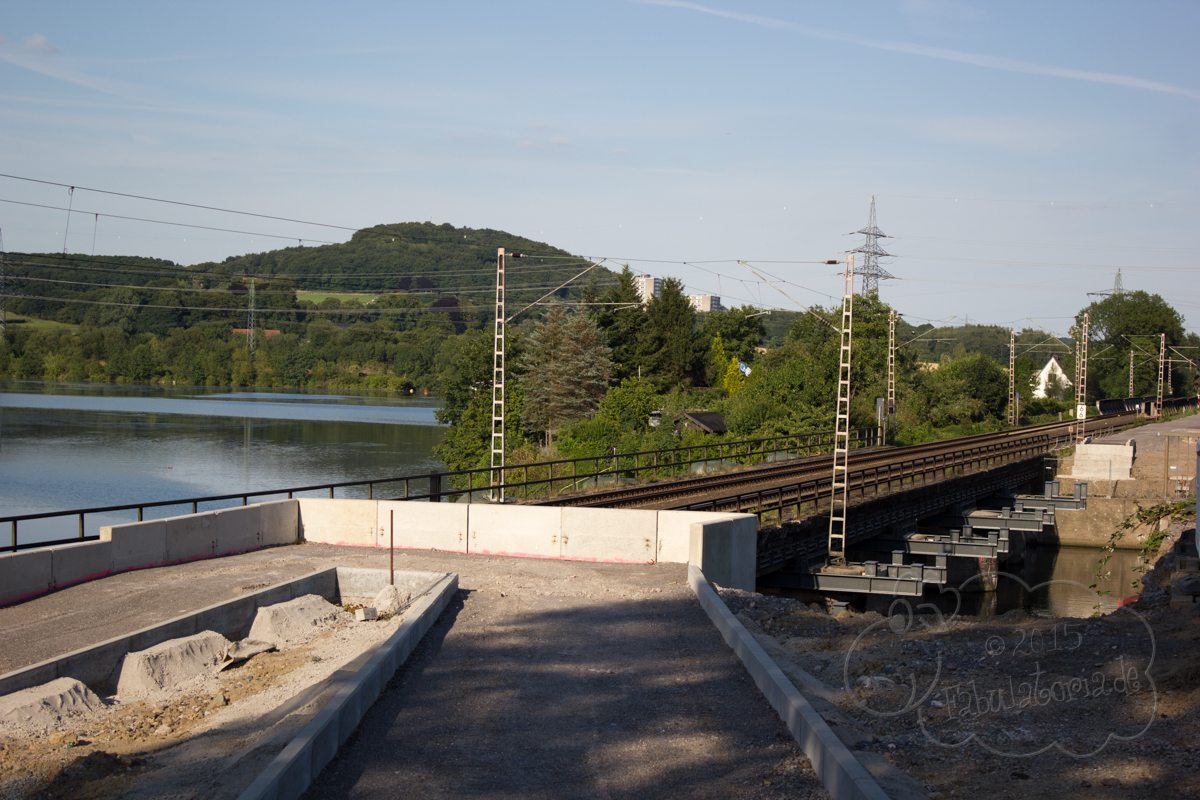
x: 627, y: 698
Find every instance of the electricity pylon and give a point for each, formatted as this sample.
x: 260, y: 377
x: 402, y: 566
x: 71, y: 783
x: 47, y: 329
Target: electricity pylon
x: 871, y: 272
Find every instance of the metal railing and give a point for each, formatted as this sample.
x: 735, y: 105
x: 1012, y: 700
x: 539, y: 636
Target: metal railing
x: 537, y: 479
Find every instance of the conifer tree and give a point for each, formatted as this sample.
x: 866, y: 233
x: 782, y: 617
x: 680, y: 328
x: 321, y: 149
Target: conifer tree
x: 567, y: 370
x: 669, y: 345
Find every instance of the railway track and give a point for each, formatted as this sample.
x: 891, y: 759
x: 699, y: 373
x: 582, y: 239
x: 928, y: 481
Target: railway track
x: 807, y: 480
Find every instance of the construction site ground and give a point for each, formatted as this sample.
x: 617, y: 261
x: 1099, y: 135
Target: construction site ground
x: 543, y: 678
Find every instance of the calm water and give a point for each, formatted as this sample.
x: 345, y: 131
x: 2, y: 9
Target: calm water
x: 66, y: 446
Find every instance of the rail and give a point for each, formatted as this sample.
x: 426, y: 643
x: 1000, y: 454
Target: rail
x: 536, y: 479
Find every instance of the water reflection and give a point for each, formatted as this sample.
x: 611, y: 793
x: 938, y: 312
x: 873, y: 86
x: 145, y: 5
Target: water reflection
x: 155, y: 448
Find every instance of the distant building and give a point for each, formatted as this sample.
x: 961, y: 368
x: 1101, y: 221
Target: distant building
x: 647, y: 286
x: 705, y: 302
x: 706, y: 421
x: 1051, y: 373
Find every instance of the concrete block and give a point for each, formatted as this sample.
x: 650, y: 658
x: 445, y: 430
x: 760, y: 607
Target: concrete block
x: 238, y: 530
x: 359, y: 586
x: 424, y: 526
x: 508, y: 530
x: 725, y: 551
x: 343, y: 522
x: 675, y: 532
x: 280, y: 522
x: 323, y: 582
x: 232, y: 619
x: 25, y: 574
x: 176, y: 628
x: 603, y: 534
x: 191, y: 537
x: 33, y: 675
x: 323, y: 733
x: 137, y: 545
x: 95, y: 665
x: 76, y: 563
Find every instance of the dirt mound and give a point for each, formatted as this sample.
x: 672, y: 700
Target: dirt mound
x: 171, y: 664
x: 290, y: 623
x: 44, y: 706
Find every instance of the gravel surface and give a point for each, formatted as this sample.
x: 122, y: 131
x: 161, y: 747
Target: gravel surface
x: 1043, y: 708
x: 552, y: 679
x: 544, y: 678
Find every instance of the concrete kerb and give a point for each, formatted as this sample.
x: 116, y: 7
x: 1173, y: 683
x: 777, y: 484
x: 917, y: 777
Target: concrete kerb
x: 294, y: 769
x: 94, y: 665
x: 841, y: 773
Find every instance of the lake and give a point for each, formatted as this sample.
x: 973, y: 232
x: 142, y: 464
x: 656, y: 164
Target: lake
x: 81, y: 445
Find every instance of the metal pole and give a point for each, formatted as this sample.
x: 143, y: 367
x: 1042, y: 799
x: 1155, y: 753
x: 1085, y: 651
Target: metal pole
x: 392, y: 547
x: 891, y: 399
x: 1162, y: 357
x: 1012, y: 377
x: 841, y: 448
x: 1131, y: 371
x: 1081, y: 383
x: 498, y: 389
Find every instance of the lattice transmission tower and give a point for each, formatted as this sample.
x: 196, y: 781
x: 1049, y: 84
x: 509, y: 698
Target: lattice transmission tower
x: 498, y: 387
x: 870, y: 270
x: 1081, y: 371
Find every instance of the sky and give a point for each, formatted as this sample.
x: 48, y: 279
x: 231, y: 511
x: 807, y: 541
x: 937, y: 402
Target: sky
x: 1019, y: 153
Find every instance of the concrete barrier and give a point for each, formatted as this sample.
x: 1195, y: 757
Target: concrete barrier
x: 76, y: 563
x: 424, y: 526
x: 599, y: 534
x: 507, y: 530
x: 137, y: 545
x: 675, y: 532
x: 725, y: 551
x: 191, y: 537
x: 280, y: 522
x: 238, y: 530
x: 343, y: 522
x: 25, y: 574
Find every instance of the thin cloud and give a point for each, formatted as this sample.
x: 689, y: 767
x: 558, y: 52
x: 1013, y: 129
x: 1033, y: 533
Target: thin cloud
x: 37, y: 43
x: 537, y: 125
x: 990, y: 62
x: 560, y: 141
x: 528, y: 144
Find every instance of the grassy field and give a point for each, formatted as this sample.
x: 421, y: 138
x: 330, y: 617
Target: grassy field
x: 317, y: 297
x: 33, y: 323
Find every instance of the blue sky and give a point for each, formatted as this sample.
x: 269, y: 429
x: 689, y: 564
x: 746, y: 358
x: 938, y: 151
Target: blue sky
x: 1019, y: 152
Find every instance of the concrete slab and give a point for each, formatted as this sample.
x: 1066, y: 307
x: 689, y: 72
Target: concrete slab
x: 506, y: 530
x: 342, y: 522
x: 137, y: 545
x: 238, y: 530
x: 424, y: 526
x: 191, y: 537
x: 280, y: 522
x: 601, y: 534
x: 25, y: 574
x: 75, y: 563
